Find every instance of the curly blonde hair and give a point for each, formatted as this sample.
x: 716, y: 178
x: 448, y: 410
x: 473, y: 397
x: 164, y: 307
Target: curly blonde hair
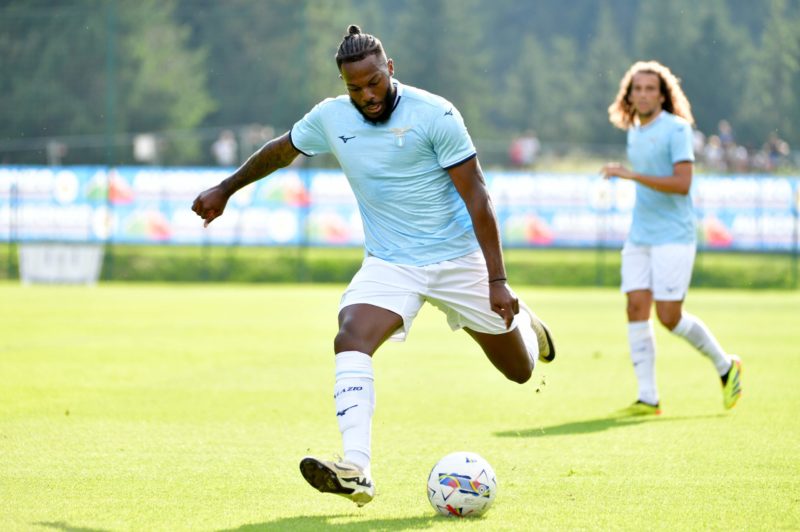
x: 622, y: 112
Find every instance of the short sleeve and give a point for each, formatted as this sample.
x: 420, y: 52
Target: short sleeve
x: 681, y: 143
x: 451, y: 141
x: 308, y: 133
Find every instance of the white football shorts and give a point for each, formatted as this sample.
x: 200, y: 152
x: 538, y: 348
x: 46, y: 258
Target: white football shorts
x: 665, y: 270
x: 458, y: 287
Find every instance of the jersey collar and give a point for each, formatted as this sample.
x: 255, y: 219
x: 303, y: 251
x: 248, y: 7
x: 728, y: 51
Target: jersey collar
x: 398, y: 87
x: 651, y: 123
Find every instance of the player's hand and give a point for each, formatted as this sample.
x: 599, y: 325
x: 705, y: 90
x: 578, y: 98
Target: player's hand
x: 616, y: 170
x: 504, y: 302
x: 210, y: 204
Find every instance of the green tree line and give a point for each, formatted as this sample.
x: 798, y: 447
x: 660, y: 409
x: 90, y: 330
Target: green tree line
x: 96, y: 72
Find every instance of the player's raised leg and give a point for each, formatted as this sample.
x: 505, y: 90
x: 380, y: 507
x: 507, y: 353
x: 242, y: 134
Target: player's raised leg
x: 508, y: 353
x: 509, y: 333
x: 515, y: 352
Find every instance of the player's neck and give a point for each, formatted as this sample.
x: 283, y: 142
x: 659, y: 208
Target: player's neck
x: 646, y: 119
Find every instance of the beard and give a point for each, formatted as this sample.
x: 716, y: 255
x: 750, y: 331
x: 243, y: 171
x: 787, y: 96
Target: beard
x: 388, y: 107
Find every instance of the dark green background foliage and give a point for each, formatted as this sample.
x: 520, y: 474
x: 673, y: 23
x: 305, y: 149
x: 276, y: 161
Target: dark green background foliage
x: 94, y: 70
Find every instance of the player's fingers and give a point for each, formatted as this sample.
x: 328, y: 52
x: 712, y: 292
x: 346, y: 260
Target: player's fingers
x: 209, y: 216
x: 508, y: 318
x: 505, y: 313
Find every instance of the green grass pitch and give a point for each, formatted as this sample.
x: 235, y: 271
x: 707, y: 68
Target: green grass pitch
x: 188, y: 407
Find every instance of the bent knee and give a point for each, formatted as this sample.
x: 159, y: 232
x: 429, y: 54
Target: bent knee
x: 669, y: 319
x: 347, y: 341
x: 519, y: 375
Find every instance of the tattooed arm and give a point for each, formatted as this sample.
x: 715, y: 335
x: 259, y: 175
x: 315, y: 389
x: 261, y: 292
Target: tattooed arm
x: 275, y: 154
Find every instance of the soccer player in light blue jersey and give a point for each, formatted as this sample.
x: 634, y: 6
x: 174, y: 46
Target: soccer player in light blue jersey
x: 658, y: 255
x: 431, y: 234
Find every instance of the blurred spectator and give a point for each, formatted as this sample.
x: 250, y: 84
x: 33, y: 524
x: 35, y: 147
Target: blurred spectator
x: 225, y: 149
x: 56, y: 151
x: 738, y: 158
x: 725, y: 133
x: 777, y: 151
x: 698, y: 141
x: 730, y: 150
x: 714, y: 154
x: 524, y: 149
x: 147, y: 148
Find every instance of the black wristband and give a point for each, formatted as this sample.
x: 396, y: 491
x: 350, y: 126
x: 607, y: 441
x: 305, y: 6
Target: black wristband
x: 498, y: 279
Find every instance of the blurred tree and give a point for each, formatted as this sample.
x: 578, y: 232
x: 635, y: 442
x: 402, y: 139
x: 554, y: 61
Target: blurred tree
x: 524, y: 91
x: 752, y: 15
x: 162, y: 82
x: 606, y: 62
x: 667, y: 32
x: 771, y: 101
x: 257, y: 69
x: 444, y: 53
x: 53, y: 62
x: 544, y: 91
x: 719, y: 57
x: 58, y: 56
x: 512, y: 21
x: 709, y: 54
x: 556, y: 92
x: 269, y: 62
x: 566, y: 107
x: 508, y: 65
x: 326, y: 25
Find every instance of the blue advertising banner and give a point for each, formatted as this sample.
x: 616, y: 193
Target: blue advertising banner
x: 149, y: 205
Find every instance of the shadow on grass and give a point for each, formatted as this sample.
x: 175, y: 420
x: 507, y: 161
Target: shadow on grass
x: 311, y: 523
x: 595, y: 425
x: 60, y: 525
x: 327, y: 522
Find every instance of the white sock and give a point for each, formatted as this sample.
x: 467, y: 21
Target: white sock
x: 354, y: 395
x: 694, y: 331
x: 641, y: 340
x: 528, y: 335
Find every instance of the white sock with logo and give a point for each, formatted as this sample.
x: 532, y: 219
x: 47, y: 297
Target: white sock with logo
x: 641, y: 339
x: 354, y: 395
x: 694, y: 331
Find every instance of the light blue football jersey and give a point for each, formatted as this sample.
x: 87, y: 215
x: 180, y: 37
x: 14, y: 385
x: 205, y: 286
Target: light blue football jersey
x: 411, y: 211
x: 661, y: 217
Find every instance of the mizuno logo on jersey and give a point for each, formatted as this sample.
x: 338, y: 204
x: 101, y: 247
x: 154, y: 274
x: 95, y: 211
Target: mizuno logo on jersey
x: 450, y: 112
x: 345, y: 139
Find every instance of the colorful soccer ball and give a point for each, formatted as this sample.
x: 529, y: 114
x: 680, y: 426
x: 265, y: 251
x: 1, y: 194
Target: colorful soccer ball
x: 462, y: 484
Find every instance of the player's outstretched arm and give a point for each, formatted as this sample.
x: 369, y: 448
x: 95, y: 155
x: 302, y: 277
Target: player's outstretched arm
x: 275, y: 154
x: 468, y: 180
